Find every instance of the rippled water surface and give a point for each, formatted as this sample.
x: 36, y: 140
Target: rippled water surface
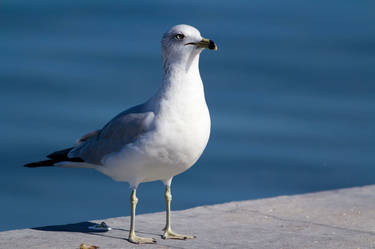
x: 291, y: 93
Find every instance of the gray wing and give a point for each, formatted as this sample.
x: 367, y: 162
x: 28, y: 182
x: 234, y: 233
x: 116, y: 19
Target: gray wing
x: 87, y: 136
x: 125, y: 128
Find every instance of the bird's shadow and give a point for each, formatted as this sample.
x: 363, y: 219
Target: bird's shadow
x: 83, y: 227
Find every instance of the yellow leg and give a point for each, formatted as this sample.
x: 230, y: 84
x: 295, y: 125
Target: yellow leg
x: 132, y: 237
x: 168, y: 233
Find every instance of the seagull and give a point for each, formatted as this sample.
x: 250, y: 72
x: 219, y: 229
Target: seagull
x: 155, y: 140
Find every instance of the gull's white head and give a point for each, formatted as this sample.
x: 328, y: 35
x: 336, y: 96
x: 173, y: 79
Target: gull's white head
x: 182, y: 43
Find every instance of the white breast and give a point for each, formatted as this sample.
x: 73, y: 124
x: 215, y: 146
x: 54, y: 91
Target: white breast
x: 179, y: 134
x: 183, y: 132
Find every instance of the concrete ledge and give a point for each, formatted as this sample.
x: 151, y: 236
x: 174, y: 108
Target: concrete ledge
x: 332, y: 219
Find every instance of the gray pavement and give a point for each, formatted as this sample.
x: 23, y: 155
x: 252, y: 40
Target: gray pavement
x: 337, y: 219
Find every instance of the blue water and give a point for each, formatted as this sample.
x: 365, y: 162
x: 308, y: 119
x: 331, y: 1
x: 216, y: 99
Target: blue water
x: 291, y: 93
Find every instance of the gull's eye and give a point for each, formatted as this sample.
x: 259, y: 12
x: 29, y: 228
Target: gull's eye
x: 179, y: 36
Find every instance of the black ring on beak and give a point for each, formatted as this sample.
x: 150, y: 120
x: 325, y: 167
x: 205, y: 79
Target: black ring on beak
x: 211, y: 44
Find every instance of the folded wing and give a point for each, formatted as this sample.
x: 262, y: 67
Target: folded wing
x: 124, y: 129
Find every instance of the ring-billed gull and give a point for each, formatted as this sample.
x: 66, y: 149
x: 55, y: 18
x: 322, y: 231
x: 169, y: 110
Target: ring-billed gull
x: 155, y: 140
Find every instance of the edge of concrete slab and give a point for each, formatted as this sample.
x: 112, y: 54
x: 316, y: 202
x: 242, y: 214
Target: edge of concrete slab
x: 343, y: 218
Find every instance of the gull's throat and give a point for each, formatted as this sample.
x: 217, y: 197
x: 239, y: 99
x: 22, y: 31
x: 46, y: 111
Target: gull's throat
x: 182, y: 84
x: 187, y: 61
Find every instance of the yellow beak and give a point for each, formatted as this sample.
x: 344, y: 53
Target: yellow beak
x: 204, y: 43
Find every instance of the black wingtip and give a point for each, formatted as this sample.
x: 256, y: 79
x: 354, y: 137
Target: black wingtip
x: 51, y: 162
x: 45, y: 163
x: 55, y: 157
x: 60, y: 155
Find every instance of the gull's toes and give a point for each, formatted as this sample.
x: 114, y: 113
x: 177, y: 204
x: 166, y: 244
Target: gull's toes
x: 168, y: 234
x: 141, y: 240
